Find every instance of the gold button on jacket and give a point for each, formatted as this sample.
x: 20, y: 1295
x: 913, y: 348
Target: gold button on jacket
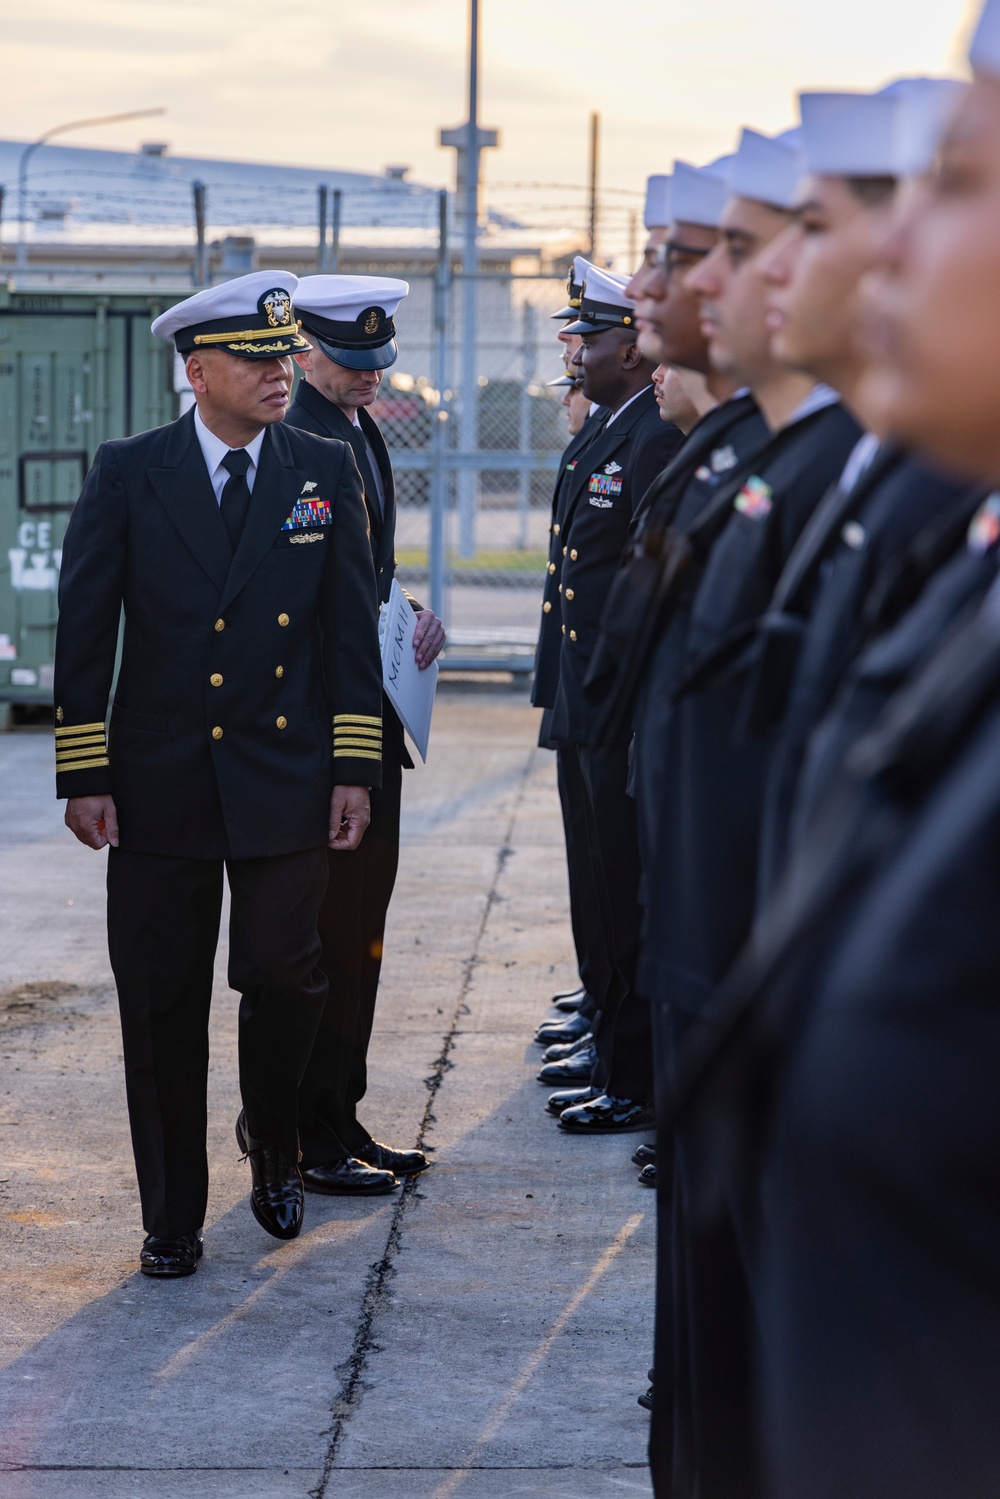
x: 572, y: 634
x: 279, y: 671
x: 282, y: 619
x: 552, y: 567
x: 570, y: 594
x: 215, y: 679
x: 547, y: 607
x: 574, y: 554
x: 282, y: 722
x: 216, y: 732
x: 220, y: 624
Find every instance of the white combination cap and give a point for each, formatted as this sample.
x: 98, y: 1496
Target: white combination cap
x: 350, y: 317
x: 767, y: 168
x: 250, y: 316
x: 575, y: 277
x: 657, y: 212
x: 699, y: 194
x: 604, y: 303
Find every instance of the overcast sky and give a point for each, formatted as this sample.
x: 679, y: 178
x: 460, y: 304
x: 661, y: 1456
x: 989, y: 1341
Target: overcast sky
x: 358, y: 86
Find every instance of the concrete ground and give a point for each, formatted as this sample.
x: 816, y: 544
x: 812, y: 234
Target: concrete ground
x: 483, y: 1334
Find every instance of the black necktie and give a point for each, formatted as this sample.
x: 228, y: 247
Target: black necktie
x: 235, y: 500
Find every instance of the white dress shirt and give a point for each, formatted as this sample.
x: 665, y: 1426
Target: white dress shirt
x: 214, y: 450
x: 616, y: 414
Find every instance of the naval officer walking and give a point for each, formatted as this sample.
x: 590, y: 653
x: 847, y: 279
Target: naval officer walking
x: 349, y: 322
x: 245, y: 733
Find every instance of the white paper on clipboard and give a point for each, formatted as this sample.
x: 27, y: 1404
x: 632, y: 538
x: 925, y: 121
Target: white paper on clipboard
x: 409, y: 690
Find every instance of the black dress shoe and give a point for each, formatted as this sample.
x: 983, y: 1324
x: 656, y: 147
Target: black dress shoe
x: 567, y: 1097
x: 569, y: 999
x: 647, y: 1176
x: 644, y: 1155
x: 606, y: 1115
x: 399, y: 1162
x: 570, y: 1029
x: 170, y: 1257
x: 563, y: 1049
x: 575, y: 1069
x: 276, y: 1197
x: 348, y: 1178
x: 646, y: 1401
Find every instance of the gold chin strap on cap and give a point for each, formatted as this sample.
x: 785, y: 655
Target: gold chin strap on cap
x: 283, y: 330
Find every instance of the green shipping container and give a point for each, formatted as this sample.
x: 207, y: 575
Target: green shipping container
x: 76, y: 367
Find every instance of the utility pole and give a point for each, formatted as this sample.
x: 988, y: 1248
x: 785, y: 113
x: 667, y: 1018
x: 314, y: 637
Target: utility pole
x: 595, y: 141
x: 469, y: 141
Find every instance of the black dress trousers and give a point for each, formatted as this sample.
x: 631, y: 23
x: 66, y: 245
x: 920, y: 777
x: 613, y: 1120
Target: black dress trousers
x: 622, y: 1033
x: 352, y: 929
x: 584, y: 897
x: 163, y: 930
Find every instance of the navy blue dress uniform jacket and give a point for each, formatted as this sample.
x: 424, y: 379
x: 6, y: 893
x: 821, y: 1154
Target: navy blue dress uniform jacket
x: 819, y: 622
x: 545, y: 684
x: 250, y: 684
x: 310, y: 411
x: 613, y: 474
x: 838, y: 1100
x: 701, y: 884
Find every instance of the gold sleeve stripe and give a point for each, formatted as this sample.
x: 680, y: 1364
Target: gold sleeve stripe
x: 85, y: 741
x: 356, y: 754
x: 80, y: 728
x: 375, y: 735
x: 345, y: 746
x: 83, y: 764
x: 80, y: 754
x: 356, y: 718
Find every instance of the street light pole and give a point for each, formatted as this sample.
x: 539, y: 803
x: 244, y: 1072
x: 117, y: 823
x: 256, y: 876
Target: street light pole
x: 29, y: 151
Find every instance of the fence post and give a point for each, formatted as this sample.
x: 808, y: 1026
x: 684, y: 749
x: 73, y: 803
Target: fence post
x: 528, y: 342
x: 439, y: 473
x: 200, y: 269
x: 323, y: 193
x: 335, y: 237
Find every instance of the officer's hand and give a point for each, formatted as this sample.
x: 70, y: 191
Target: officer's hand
x: 93, y: 819
x: 428, y: 637
x: 350, y: 812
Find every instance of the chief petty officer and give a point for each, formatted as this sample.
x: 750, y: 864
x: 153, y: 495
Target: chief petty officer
x: 245, y: 732
x: 584, y: 905
x: 631, y: 447
x: 349, y: 321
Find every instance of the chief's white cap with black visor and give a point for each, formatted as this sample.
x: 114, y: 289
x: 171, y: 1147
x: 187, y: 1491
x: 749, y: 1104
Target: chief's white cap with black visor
x: 603, y: 303
x: 350, y: 318
x: 575, y: 277
x: 250, y: 316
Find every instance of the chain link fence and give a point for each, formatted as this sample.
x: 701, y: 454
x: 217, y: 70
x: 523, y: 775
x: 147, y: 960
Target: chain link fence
x: 475, y: 459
